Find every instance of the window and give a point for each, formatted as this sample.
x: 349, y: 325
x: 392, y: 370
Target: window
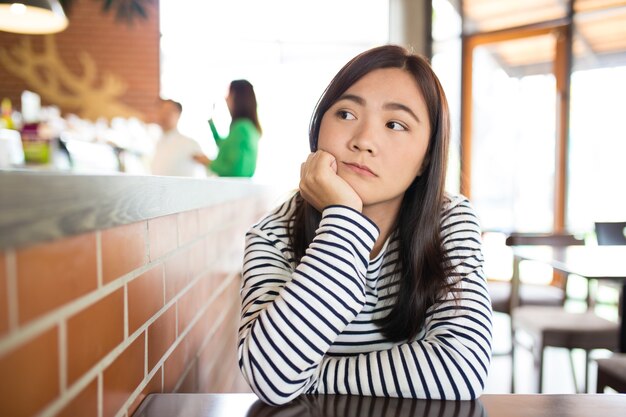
x: 288, y: 50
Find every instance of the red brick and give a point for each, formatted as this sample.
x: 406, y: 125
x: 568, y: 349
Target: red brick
x: 177, y: 274
x: 188, y: 305
x: 30, y: 376
x: 123, y: 250
x: 154, y: 386
x: 93, y: 333
x: 175, y: 365
x: 52, y: 274
x: 189, y: 383
x: 84, y: 404
x: 123, y: 376
x: 161, y: 335
x: 187, y: 226
x: 4, y: 296
x: 162, y: 235
x: 145, y: 297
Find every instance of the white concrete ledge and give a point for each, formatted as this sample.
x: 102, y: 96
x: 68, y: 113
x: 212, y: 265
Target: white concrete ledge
x: 43, y: 206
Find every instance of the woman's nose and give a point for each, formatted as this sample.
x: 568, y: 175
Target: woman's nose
x: 363, y: 140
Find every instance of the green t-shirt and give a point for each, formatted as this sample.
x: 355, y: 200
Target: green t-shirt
x: 237, y: 152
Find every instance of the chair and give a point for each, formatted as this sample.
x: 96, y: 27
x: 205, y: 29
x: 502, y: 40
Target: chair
x: 612, y: 373
x: 551, y: 325
x: 609, y: 233
x: 532, y: 294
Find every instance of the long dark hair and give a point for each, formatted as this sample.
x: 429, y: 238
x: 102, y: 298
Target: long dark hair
x: 244, y: 102
x: 422, y: 266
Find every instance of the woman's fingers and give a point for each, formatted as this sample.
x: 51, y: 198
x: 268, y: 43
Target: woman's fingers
x: 321, y: 186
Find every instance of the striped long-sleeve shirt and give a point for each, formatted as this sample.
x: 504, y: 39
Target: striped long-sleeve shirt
x: 309, y: 328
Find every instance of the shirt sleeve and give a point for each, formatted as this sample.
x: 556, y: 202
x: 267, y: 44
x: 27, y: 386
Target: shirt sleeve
x: 290, y: 318
x: 216, y: 135
x: 451, y: 360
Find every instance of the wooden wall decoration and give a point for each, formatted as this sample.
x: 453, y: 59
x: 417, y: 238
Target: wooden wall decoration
x: 47, y: 74
x: 100, y: 66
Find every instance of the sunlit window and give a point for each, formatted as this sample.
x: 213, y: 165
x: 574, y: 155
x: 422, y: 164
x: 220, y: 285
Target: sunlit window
x: 446, y: 62
x: 288, y: 50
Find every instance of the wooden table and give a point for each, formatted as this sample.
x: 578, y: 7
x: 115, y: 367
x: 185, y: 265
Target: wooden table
x: 506, y: 405
x: 590, y: 262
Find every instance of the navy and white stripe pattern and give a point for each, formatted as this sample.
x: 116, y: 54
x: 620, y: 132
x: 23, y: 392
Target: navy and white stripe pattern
x: 308, y: 328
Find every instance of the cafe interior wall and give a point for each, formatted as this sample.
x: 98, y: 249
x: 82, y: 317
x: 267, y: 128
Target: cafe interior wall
x: 102, y: 65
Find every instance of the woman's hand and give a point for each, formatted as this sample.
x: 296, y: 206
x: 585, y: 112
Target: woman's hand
x: 321, y: 186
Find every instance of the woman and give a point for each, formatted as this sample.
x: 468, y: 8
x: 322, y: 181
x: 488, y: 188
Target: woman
x: 369, y: 280
x: 237, y: 152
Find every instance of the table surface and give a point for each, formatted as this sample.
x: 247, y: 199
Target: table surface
x: 496, y: 405
x: 591, y: 262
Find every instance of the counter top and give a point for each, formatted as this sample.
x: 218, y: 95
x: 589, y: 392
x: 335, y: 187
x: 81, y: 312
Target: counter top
x: 495, y: 405
x: 42, y: 206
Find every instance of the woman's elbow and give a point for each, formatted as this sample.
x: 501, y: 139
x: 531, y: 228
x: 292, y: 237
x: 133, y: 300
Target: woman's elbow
x: 272, y: 391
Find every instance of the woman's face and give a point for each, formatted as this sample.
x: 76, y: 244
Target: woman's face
x: 378, y: 131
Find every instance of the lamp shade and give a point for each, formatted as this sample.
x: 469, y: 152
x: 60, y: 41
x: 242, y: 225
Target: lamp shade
x: 34, y: 17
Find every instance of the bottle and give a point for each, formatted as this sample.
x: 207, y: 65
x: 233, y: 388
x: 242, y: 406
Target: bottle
x: 6, y: 112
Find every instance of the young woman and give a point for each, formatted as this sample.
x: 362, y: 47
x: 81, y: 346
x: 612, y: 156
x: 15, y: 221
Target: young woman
x: 237, y: 152
x: 369, y: 280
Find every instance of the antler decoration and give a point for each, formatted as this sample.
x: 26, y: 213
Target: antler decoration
x: 47, y: 75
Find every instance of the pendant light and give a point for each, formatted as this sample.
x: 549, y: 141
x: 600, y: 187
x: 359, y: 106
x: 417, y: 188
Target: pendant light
x: 35, y: 17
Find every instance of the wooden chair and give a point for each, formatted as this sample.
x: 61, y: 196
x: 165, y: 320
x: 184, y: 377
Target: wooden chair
x: 533, y: 294
x: 551, y: 325
x: 612, y: 233
x: 612, y: 373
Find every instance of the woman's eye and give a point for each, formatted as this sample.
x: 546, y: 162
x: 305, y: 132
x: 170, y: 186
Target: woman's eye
x: 396, y: 126
x: 346, y: 115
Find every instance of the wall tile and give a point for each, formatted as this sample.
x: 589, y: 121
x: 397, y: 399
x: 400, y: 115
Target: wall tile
x: 4, y: 300
x: 162, y: 235
x: 188, y: 305
x: 123, y: 375
x: 206, y: 220
x: 30, y: 376
x: 177, y: 273
x: 52, y: 274
x: 145, y: 297
x: 161, y: 335
x: 123, y: 250
x: 189, y: 383
x: 154, y: 386
x: 85, y: 404
x: 197, y: 260
x: 93, y: 333
x: 187, y: 226
x: 175, y: 365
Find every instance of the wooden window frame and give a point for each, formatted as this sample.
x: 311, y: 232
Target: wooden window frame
x: 562, y: 69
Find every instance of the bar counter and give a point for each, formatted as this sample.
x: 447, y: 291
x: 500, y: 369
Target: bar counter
x: 116, y: 286
x: 45, y: 205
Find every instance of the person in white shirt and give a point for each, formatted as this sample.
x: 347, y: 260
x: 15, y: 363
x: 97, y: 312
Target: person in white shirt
x: 174, y: 152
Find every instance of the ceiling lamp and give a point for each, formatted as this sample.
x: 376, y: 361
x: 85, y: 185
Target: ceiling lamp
x: 35, y: 17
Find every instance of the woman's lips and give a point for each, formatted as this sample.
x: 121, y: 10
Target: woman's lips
x: 360, y: 169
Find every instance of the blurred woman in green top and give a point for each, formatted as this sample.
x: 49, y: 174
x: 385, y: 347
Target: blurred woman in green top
x: 237, y: 152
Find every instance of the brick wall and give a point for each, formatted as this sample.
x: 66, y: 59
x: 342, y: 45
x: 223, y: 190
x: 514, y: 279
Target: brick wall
x: 129, y: 54
x: 90, y: 324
